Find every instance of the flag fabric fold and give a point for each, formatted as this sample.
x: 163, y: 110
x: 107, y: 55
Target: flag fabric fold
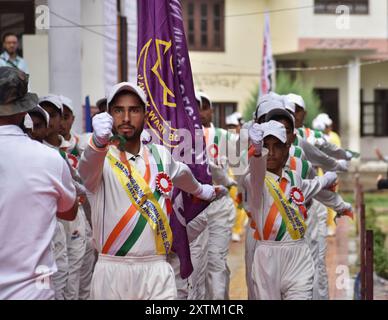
x: 164, y: 72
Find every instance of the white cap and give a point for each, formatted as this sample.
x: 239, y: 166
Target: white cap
x: 266, y: 106
x: 198, y: 98
x: 128, y: 86
x: 53, y: 99
x: 318, y: 124
x: 280, y: 112
x: 298, y: 100
x: 269, y: 96
x: 44, y: 113
x: 203, y: 95
x: 276, y: 129
x: 238, y: 115
x: 288, y: 104
x: 67, y: 102
x: 28, y: 124
x: 232, y: 120
x: 324, y: 117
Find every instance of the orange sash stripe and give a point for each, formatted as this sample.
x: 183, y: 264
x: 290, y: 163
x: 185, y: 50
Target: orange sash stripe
x: 273, y: 212
x: 128, y: 215
x: 293, y: 163
x: 251, y: 151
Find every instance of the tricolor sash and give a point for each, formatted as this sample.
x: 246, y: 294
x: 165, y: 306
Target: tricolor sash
x: 144, y: 201
x: 291, y: 216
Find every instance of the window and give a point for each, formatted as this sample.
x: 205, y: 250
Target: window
x: 374, y: 115
x: 329, y: 104
x: 17, y: 17
x: 329, y: 6
x: 204, y: 24
x: 221, y: 110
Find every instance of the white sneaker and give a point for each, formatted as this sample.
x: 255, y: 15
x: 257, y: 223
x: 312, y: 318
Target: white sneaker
x: 236, y: 237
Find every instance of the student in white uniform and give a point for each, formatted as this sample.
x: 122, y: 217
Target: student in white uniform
x: 220, y: 146
x: 36, y: 186
x: 282, y: 264
x: 130, y: 192
x: 82, y: 255
x: 69, y: 255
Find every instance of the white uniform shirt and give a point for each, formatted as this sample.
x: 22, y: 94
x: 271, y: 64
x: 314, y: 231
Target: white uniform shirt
x: 260, y: 199
x: 35, y: 184
x: 109, y: 201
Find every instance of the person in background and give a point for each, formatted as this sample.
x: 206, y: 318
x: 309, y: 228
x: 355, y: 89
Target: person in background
x: 40, y: 119
x: 233, y: 123
x: 9, y: 57
x: 36, y: 187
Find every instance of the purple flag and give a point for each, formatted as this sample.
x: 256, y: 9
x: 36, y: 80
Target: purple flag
x: 164, y: 72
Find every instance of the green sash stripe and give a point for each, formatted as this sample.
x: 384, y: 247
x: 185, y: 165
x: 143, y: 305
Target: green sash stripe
x: 217, y: 136
x: 142, y: 222
x: 296, y: 141
x: 301, y: 132
x: 305, y: 167
x: 133, y: 237
x: 291, y: 175
x: 298, y: 152
x: 75, y: 152
x: 281, y: 232
x: 283, y: 229
x: 317, y: 134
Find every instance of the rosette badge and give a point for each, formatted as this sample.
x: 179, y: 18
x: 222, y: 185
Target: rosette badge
x: 297, y: 196
x: 163, y: 183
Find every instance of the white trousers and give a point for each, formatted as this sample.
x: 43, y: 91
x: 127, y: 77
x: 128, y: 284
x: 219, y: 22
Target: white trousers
x: 59, y: 247
x: 199, y: 254
x: 133, y: 278
x: 88, y: 264
x: 316, y: 237
x: 283, y: 270
x: 76, y: 245
x: 323, y: 281
x: 220, y: 221
x: 250, y: 245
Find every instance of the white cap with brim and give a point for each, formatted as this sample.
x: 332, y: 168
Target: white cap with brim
x: 67, y: 102
x: 44, y: 113
x: 127, y: 86
x: 288, y: 104
x: 28, y: 124
x: 324, y: 117
x: 298, y: 100
x: 53, y: 99
x: 280, y: 112
x: 276, y: 129
x: 204, y: 96
x: 232, y: 120
x: 266, y: 106
x: 269, y: 96
x: 318, y: 124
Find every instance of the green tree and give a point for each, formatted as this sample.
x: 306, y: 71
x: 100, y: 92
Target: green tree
x: 284, y: 85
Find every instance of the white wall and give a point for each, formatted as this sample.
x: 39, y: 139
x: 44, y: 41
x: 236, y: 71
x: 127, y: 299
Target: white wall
x: 92, y: 51
x: 35, y: 51
x: 373, y: 25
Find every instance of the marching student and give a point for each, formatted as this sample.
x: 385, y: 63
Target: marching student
x: 282, y: 264
x: 67, y: 278
x: 220, y: 146
x: 82, y: 258
x: 317, y: 215
x: 130, y: 187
